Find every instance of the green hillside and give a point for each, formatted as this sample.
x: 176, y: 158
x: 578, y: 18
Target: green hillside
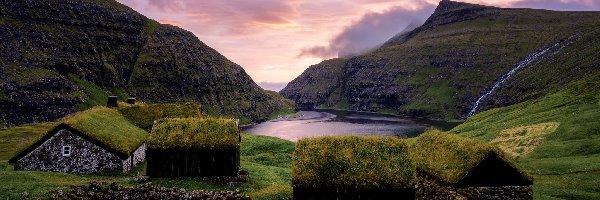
x: 58, y: 57
x: 556, y: 138
x: 441, y: 68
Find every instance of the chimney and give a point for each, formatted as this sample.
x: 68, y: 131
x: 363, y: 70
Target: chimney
x: 112, y: 102
x: 131, y: 100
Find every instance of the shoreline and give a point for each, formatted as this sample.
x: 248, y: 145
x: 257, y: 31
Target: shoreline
x: 396, y: 115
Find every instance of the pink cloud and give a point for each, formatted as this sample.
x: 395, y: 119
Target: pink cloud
x: 169, y: 21
x: 266, y: 36
x: 234, y: 16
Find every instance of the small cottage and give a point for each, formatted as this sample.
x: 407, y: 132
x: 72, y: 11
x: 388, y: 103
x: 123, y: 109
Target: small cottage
x: 193, y: 147
x: 96, y: 140
x: 453, y: 167
x: 352, y: 167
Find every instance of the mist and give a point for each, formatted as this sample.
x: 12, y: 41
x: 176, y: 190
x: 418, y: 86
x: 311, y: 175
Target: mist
x: 370, y: 32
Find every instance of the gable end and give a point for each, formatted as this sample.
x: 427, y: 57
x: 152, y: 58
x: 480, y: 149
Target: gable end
x: 54, y: 131
x: 493, y: 171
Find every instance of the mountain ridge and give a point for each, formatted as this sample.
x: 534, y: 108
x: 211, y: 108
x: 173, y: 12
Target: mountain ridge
x: 439, y: 70
x: 62, y: 56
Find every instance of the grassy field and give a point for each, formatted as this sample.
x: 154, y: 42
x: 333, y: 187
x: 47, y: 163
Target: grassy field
x: 267, y: 159
x: 556, y: 138
x: 18, y: 138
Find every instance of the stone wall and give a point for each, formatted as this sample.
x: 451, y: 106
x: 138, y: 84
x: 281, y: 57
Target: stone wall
x: 138, y: 156
x: 85, y: 157
x: 430, y: 188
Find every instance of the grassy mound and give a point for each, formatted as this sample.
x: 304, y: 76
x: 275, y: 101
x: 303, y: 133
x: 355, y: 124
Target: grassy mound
x: 449, y: 157
x: 352, y: 161
x: 109, y: 127
x: 143, y: 115
x: 194, y: 133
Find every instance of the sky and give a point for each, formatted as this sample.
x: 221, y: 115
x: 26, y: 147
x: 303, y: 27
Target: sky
x: 276, y: 40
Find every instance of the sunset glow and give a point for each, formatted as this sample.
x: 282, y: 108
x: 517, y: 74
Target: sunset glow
x: 272, y: 39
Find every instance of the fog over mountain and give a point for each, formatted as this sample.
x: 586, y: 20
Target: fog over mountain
x: 370, y: 32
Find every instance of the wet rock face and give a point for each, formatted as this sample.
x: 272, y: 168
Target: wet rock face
x: 113, y: 47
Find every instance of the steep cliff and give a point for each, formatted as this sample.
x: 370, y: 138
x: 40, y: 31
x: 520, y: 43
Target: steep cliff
x: 60, y: 56
x: 440, y: 69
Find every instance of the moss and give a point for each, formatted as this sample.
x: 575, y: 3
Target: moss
x: 143, y: 115
x: 151, y: 26
x: 23, y: 75
x: 449, y: 157
x: 16, y: 139
x: 3, y: 96
x: 194, y: 134
x: 94, y: 95
x: 109, y: 127
x: 352, y: 161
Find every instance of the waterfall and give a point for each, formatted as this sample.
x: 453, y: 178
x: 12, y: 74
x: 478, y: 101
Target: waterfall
x: 542, y: 53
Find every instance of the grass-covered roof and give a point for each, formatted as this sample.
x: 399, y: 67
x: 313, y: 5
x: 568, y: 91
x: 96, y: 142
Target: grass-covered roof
x: 194, y: 133
x: 108, y: 126
x: 450, y: 157
x: 17, y: 139
x: 143, y: 115
x: 352, y: 161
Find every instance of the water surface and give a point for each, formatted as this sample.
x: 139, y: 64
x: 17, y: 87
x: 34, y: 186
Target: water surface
x: 335, y: 122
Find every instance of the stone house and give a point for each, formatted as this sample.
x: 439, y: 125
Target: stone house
x: 96, y: 140
x: 452, y: 167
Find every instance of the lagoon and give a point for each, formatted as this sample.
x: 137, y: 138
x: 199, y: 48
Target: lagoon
x: 326, y: 122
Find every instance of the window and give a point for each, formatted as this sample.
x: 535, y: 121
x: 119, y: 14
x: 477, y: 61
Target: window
x: 66, y: 150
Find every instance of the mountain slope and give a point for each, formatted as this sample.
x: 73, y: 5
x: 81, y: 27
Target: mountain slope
x: 60, y: 56
x: 441, y: 68
x: 556, y: 138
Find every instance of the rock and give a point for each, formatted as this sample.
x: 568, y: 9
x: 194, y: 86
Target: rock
x: 54, y: 53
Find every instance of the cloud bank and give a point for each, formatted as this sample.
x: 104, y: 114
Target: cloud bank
x: 266, y: 37
x: 370, y: 32
x: 273, y: 86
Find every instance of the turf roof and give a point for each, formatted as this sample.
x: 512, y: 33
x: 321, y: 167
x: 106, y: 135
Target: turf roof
x: 450, y: 157
x: 109, y: 127
x: 352, y: 161
x: 194, y: 133
x: 143, y: 115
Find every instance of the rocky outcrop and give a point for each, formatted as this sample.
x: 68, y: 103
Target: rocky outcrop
x: 316, y: 84
x: 72, y: 50
x: 440, y: 69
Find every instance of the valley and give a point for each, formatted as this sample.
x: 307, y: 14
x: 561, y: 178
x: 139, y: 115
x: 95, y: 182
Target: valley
x: 521, y: 83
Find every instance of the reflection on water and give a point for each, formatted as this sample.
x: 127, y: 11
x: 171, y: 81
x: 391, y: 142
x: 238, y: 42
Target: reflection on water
x: 334, y: 122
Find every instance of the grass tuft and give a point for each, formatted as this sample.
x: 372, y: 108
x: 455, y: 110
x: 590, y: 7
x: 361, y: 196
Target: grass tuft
x: 110, y: 127
x: 352, y: 161
x: 143, y: 115
x: 194, y: 133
